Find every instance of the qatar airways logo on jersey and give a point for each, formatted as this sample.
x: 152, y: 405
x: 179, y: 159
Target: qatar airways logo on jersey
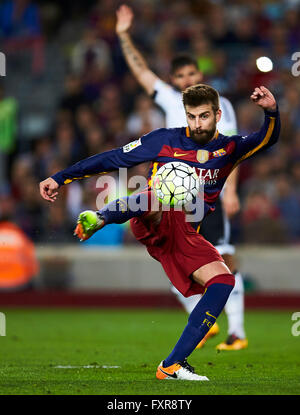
x: 208, y: 177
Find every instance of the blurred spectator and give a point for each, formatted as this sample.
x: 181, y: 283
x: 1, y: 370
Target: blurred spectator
x: 145, y: 27
x: 288, y: 205
x: 295, y: 147
x: 292, y: 17
x: 85, y: 118
x: 8, y: 131
x: 130, y: 89
x: 94, y: 141
x: 218, y: 27
x: 67, y: 146
x: 203, y: 53
x: 145, y: 118
x: 29, y: 213
x: 18, y: 263
x: 91, y: 60
x: 110, y: 104
x: 91, y: 52
x: 260, y: 178
x: 247, y: 70
x: 245, y: 34
x: 102, y: 19
x: 220, y: 79
x: 21, y: 29
x: 73, y: 97
x: 295, y: 171
x: 290, y: 105
x: 19, y: 18
x: 99, y: 104
x: 43, y: 155
x: 162, y: 56
x: 60, y: 226
x: 22, y: 169
x: 261, y: 220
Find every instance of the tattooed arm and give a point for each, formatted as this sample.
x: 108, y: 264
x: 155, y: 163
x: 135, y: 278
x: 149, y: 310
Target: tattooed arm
x: 135, y: 60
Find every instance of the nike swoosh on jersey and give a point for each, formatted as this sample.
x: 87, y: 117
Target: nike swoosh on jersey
x: 179, y: 154
x: 210, y: 315
x: 172, y: 375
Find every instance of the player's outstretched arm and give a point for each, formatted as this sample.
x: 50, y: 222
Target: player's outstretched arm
x: 267, y: 135
x: 138, y: 151
x: 134, y: 58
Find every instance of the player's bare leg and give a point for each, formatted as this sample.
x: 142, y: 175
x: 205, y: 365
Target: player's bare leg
x: 118, y: 211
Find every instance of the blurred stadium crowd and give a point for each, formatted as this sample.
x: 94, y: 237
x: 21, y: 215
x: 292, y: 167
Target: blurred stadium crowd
x: 68, y: 94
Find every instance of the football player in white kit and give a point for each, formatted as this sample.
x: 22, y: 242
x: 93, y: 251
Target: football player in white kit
x: 216, y: 227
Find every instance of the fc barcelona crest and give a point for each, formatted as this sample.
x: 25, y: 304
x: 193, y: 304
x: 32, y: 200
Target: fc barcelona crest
x: 219, y: 153
x: 202, y: 156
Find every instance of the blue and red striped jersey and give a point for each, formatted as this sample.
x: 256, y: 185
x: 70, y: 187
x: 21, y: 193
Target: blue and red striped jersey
x: 213, y: 161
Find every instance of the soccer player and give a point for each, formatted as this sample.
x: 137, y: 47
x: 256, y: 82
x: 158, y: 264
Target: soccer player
x: 191, y: 263
x: 215, y: 228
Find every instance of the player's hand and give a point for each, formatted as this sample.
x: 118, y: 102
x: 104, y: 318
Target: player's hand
x: 124, y: 19
x: 231, y: 203
x: 262, y: 97
x: 48, y: 189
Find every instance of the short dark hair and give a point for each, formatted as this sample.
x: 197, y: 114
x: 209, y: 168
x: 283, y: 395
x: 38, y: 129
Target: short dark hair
x: 180, y: 61
x: 201, y: 94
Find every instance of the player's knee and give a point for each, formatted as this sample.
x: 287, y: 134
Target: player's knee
x: 227, y: 279
x: 230, y: 261
x: 205, y: 273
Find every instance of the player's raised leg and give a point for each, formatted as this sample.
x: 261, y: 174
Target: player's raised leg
x: 118, y: 211
x: 88, y: 223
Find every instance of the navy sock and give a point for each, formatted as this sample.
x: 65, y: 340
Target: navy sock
x: 202, y: 317
x: 125, y: 208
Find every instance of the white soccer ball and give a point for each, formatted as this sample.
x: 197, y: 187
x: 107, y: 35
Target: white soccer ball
x: 176, y: 184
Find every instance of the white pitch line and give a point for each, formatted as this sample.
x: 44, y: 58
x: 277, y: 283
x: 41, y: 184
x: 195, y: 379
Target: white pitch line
x: 86, y: 367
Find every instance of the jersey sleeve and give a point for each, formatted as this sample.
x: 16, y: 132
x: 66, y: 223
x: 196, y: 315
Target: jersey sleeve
x: 139, y: 151
x: 163, y: 94
x: 247, y: 146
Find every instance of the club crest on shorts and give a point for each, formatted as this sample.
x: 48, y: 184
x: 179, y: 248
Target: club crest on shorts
x: 219, y: 153
x: 202, y: 156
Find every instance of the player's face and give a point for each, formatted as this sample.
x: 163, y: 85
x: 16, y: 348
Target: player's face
x: 202, y: 122
x: 186, y: 76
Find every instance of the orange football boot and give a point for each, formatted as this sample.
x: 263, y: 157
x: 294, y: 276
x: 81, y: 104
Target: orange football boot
x: 211, y: 333
x: 233, y: 343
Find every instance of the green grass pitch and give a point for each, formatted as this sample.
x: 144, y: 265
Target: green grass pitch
x: 37, y: 341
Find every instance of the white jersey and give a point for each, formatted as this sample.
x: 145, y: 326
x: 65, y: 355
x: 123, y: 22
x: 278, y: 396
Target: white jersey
x: 170, y: 101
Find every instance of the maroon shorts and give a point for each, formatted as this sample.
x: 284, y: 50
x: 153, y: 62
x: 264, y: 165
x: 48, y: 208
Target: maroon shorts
x: 178, y: 247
